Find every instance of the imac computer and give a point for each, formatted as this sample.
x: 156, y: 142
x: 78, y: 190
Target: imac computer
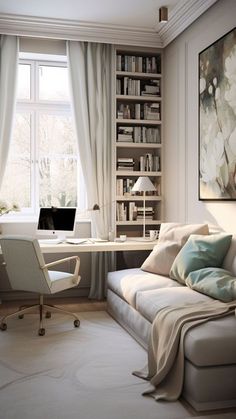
x: 58, y: 223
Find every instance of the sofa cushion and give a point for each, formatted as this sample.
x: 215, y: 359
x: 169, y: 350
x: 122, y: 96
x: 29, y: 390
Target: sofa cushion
x: 127, y: 282
x: 200, y: 252
x: 215, y: 282
x: 171, y: 239
x: 148, y: 303
x: 212, y: 343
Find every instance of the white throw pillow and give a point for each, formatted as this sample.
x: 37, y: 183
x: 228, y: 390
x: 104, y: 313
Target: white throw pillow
x: 172, y: 237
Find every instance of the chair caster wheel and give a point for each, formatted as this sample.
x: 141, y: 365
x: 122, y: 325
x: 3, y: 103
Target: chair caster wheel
x: 21, y: 316
x: 48, y: 315
x: 3, y: 326
x: 41, y: 332
x: 77, y: 323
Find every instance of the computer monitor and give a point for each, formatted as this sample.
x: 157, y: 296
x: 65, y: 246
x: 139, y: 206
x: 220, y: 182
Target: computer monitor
x: 57, y: 222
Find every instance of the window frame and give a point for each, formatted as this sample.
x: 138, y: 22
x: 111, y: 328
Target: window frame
x: 34, y: 106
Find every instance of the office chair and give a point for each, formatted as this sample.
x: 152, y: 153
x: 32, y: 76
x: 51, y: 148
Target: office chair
x: 27, y: 271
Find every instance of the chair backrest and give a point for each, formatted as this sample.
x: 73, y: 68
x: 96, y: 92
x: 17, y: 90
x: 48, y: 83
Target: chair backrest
x: 24, y: 260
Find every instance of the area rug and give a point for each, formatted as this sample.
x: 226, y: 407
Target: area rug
x: 71, y: 373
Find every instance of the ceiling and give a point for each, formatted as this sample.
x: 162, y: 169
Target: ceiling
x: 107, y: 20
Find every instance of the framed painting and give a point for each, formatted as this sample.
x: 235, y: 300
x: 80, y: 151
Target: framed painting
x: 217, y: 119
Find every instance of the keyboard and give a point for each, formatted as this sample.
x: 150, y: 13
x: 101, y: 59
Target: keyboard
x: 50, y: 241
x: 76, y: 241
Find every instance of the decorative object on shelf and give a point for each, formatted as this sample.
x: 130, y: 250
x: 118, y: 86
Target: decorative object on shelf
x: 143, y: 184
x: 217, y: 120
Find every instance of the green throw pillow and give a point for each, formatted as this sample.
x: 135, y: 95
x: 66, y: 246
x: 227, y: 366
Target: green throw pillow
x: 215, y: 282
x: 200, y: 252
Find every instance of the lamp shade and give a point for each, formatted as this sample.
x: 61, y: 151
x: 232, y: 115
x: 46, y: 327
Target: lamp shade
x: 143, y: 184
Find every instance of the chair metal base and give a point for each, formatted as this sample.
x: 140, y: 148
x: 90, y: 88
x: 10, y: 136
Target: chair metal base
x: 42, y: 308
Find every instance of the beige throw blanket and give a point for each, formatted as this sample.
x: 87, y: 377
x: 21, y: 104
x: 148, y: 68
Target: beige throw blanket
x: 165, y: 369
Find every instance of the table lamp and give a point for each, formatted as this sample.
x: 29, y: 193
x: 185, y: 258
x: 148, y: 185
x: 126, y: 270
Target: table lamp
x: 143, y: 184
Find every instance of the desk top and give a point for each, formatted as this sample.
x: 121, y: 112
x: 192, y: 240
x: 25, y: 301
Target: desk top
x: 98, y: 246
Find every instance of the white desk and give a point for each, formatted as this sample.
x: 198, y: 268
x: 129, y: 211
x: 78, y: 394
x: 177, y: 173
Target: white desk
x: 98, y: 247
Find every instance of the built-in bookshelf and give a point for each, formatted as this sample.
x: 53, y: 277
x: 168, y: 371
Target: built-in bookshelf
x: 138, y: 138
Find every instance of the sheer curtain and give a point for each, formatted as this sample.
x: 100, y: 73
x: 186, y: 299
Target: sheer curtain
x: 90, y: 75
x: 9, y: 51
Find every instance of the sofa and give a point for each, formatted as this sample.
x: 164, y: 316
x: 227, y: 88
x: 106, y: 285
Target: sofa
x: 135, y: 296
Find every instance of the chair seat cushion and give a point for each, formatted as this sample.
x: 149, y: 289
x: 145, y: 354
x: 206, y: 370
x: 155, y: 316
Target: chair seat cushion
x: 126, y: 283
x: 62, y: 280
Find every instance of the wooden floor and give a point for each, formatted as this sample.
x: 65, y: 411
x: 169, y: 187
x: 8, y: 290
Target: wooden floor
x: 75, y: 304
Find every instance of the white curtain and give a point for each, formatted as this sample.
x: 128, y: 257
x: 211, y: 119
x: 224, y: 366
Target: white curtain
x: 90, y: 75
x: 9, y: 51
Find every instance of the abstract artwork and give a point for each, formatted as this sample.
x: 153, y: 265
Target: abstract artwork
x: 217, y: 119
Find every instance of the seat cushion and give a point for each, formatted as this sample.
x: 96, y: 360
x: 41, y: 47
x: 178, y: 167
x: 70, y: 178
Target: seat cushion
x: 148, y: 303
x: 61, y: 281
x: 212, y: 343
x: 126, y: 283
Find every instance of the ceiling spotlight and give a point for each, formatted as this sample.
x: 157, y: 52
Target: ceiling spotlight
x: 163, y: 14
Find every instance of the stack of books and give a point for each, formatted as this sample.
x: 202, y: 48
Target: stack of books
x: 149, y: 213
x: 152, y: 111
x: 151, y: 88
x: 125, y: 163
x: 125, y: 134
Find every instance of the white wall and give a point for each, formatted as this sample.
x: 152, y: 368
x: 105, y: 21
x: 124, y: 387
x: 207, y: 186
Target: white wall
x: 181, y: 121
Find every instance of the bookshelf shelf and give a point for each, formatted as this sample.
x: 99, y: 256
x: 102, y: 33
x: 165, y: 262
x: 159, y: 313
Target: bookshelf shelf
x: 137, y: 173
x: 138, y: 121
x: 138, y: 198
x: 137, y: 137
x: 139, y: 98
x: 139, y: 75
x: 122, y: 144
x: 138, y: 222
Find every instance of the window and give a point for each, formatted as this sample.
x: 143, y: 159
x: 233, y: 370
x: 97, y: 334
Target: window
x: 43, y: 167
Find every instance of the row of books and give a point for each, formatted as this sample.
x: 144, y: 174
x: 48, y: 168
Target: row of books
x: 139, y: 134
x: 134, y: 87
x: 149, y: 163
x: 140, y: 64
x: 124, y: 187
x: 132, y: 212
x: 145, y: 111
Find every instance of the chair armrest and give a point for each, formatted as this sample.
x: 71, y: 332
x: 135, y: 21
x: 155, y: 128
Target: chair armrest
x: 57, y: 262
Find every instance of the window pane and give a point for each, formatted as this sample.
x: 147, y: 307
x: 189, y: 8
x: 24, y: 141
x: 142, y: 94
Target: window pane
x: 17, y: 178
x: 57, y: 161
x: 53, y: 83
x: 23, y: 91
x: 58, y: 182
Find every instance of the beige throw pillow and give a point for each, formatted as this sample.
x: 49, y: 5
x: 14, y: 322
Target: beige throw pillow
x: 172, y: 237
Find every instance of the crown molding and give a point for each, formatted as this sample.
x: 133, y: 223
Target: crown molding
x: 77, y: 30
x: 180, y: 17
